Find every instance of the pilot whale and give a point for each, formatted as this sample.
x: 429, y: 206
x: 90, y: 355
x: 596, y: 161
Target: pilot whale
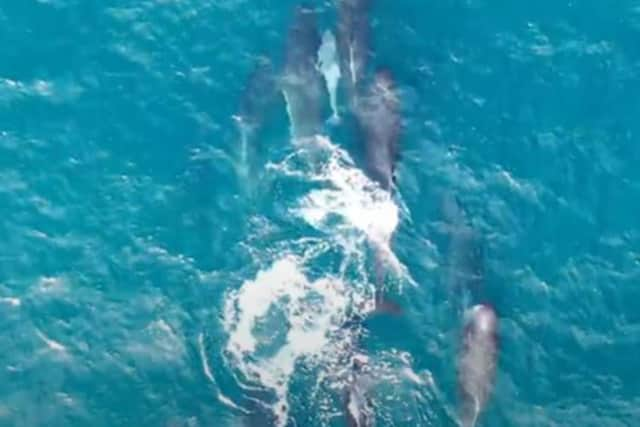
x: 358, y: 409
x: 378, y: 115
x: 357, y: 406
x: 353, y: 43
x: 477, y: 362
x: 259, y: 94
x: 302, y: 82
x: 466, y: 256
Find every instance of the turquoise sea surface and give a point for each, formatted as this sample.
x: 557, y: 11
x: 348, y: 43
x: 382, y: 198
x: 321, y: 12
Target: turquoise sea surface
x: 159, y: 267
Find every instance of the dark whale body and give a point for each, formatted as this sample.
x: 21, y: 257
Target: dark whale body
x: 378, y: 114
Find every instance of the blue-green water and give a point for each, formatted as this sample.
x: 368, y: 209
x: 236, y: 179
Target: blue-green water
x: 142, y: 259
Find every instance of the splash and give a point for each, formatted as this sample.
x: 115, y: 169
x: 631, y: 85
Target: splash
x: 245, y: 130
x: 282, y: 316
x: 349, y: 202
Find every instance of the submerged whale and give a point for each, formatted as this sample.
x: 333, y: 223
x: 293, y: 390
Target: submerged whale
x: 465, y: 258
x: 353, y: 43
x: 259, y: 95
x: 328, y: 65
x: 479, y: 349
x: 357, y: 406
x: 477, y: 362
x: 378, y: 115
x: 358, y: 409
x: 302, y: 82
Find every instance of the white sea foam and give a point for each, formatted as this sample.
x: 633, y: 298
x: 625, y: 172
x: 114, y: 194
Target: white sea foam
x: 14, y: 302
x: 354, y: 200
x: 245, y: 132
x: 312, y: 310
x: 52, y: 344
x: 51, y: 284
x: 209, y: 374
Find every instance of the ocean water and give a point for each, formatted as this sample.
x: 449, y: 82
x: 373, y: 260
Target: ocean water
x: 157, y: 268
